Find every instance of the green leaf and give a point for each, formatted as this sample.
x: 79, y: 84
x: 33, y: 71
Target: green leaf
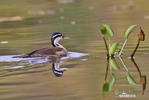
x: 103, y: 29
x: 113, y: 64
x: 130, y: 79
x: 129, y: 30
x: 105, y: 89
x: 113, y: 48
x: 111, y: 81
x: 109, y: 30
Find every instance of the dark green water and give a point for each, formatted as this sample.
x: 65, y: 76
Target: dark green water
x: 78, y: 19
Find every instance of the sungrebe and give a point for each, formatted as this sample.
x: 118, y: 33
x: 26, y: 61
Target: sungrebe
x: 56, y: 50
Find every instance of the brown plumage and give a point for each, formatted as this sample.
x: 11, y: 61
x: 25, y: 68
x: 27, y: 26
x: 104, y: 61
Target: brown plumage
x: 49, y: 51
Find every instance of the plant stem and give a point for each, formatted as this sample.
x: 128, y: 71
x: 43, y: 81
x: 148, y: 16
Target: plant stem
x: 106, y: 46
x: 109, y: 45
x: 123, y: 47
x: 135, y: 49
x: 123, y: 64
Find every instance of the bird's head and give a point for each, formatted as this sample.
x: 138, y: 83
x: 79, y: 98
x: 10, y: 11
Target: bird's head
x: 56, y: 37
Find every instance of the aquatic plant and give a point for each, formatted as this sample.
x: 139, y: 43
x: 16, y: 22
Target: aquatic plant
x: 106, y: 30
x: 141, y: 37
x: 107, y: 33
x: 126, y: 35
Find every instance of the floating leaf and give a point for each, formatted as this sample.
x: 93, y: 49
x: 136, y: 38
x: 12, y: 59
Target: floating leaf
x: 129, y: 30
x: 114, y: 64
x: 102, y: 29
x: 105, y: 89
x: 113, y: 48
x: 130, y: 79
x: 109, y: 30
x: 141, y: 35
x: 111, y: 81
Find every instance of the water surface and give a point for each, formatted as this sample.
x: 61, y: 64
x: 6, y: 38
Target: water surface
x: 78, y: 19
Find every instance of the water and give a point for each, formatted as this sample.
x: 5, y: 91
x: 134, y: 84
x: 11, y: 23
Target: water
x: 79, y: 19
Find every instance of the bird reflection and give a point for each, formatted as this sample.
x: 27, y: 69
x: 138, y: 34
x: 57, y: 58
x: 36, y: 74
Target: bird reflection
x: 56, y: 69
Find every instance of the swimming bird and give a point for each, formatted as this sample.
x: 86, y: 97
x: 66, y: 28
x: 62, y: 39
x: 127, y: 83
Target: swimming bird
x: 56, y: 49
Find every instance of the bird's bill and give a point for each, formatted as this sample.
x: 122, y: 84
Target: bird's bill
x: 65, y: 37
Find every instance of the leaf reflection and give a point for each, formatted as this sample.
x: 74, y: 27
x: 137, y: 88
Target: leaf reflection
x: 142, y: 77
x: 110, y: 77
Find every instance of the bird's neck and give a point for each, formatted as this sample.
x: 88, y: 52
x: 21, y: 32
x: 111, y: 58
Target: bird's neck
x: 58, y: 45
x: 55, y: 43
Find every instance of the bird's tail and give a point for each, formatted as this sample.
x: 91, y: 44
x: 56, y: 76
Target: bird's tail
x: 22, y: 56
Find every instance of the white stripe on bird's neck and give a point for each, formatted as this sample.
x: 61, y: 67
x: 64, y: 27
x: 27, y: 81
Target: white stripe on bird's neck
x: 57, y: 44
